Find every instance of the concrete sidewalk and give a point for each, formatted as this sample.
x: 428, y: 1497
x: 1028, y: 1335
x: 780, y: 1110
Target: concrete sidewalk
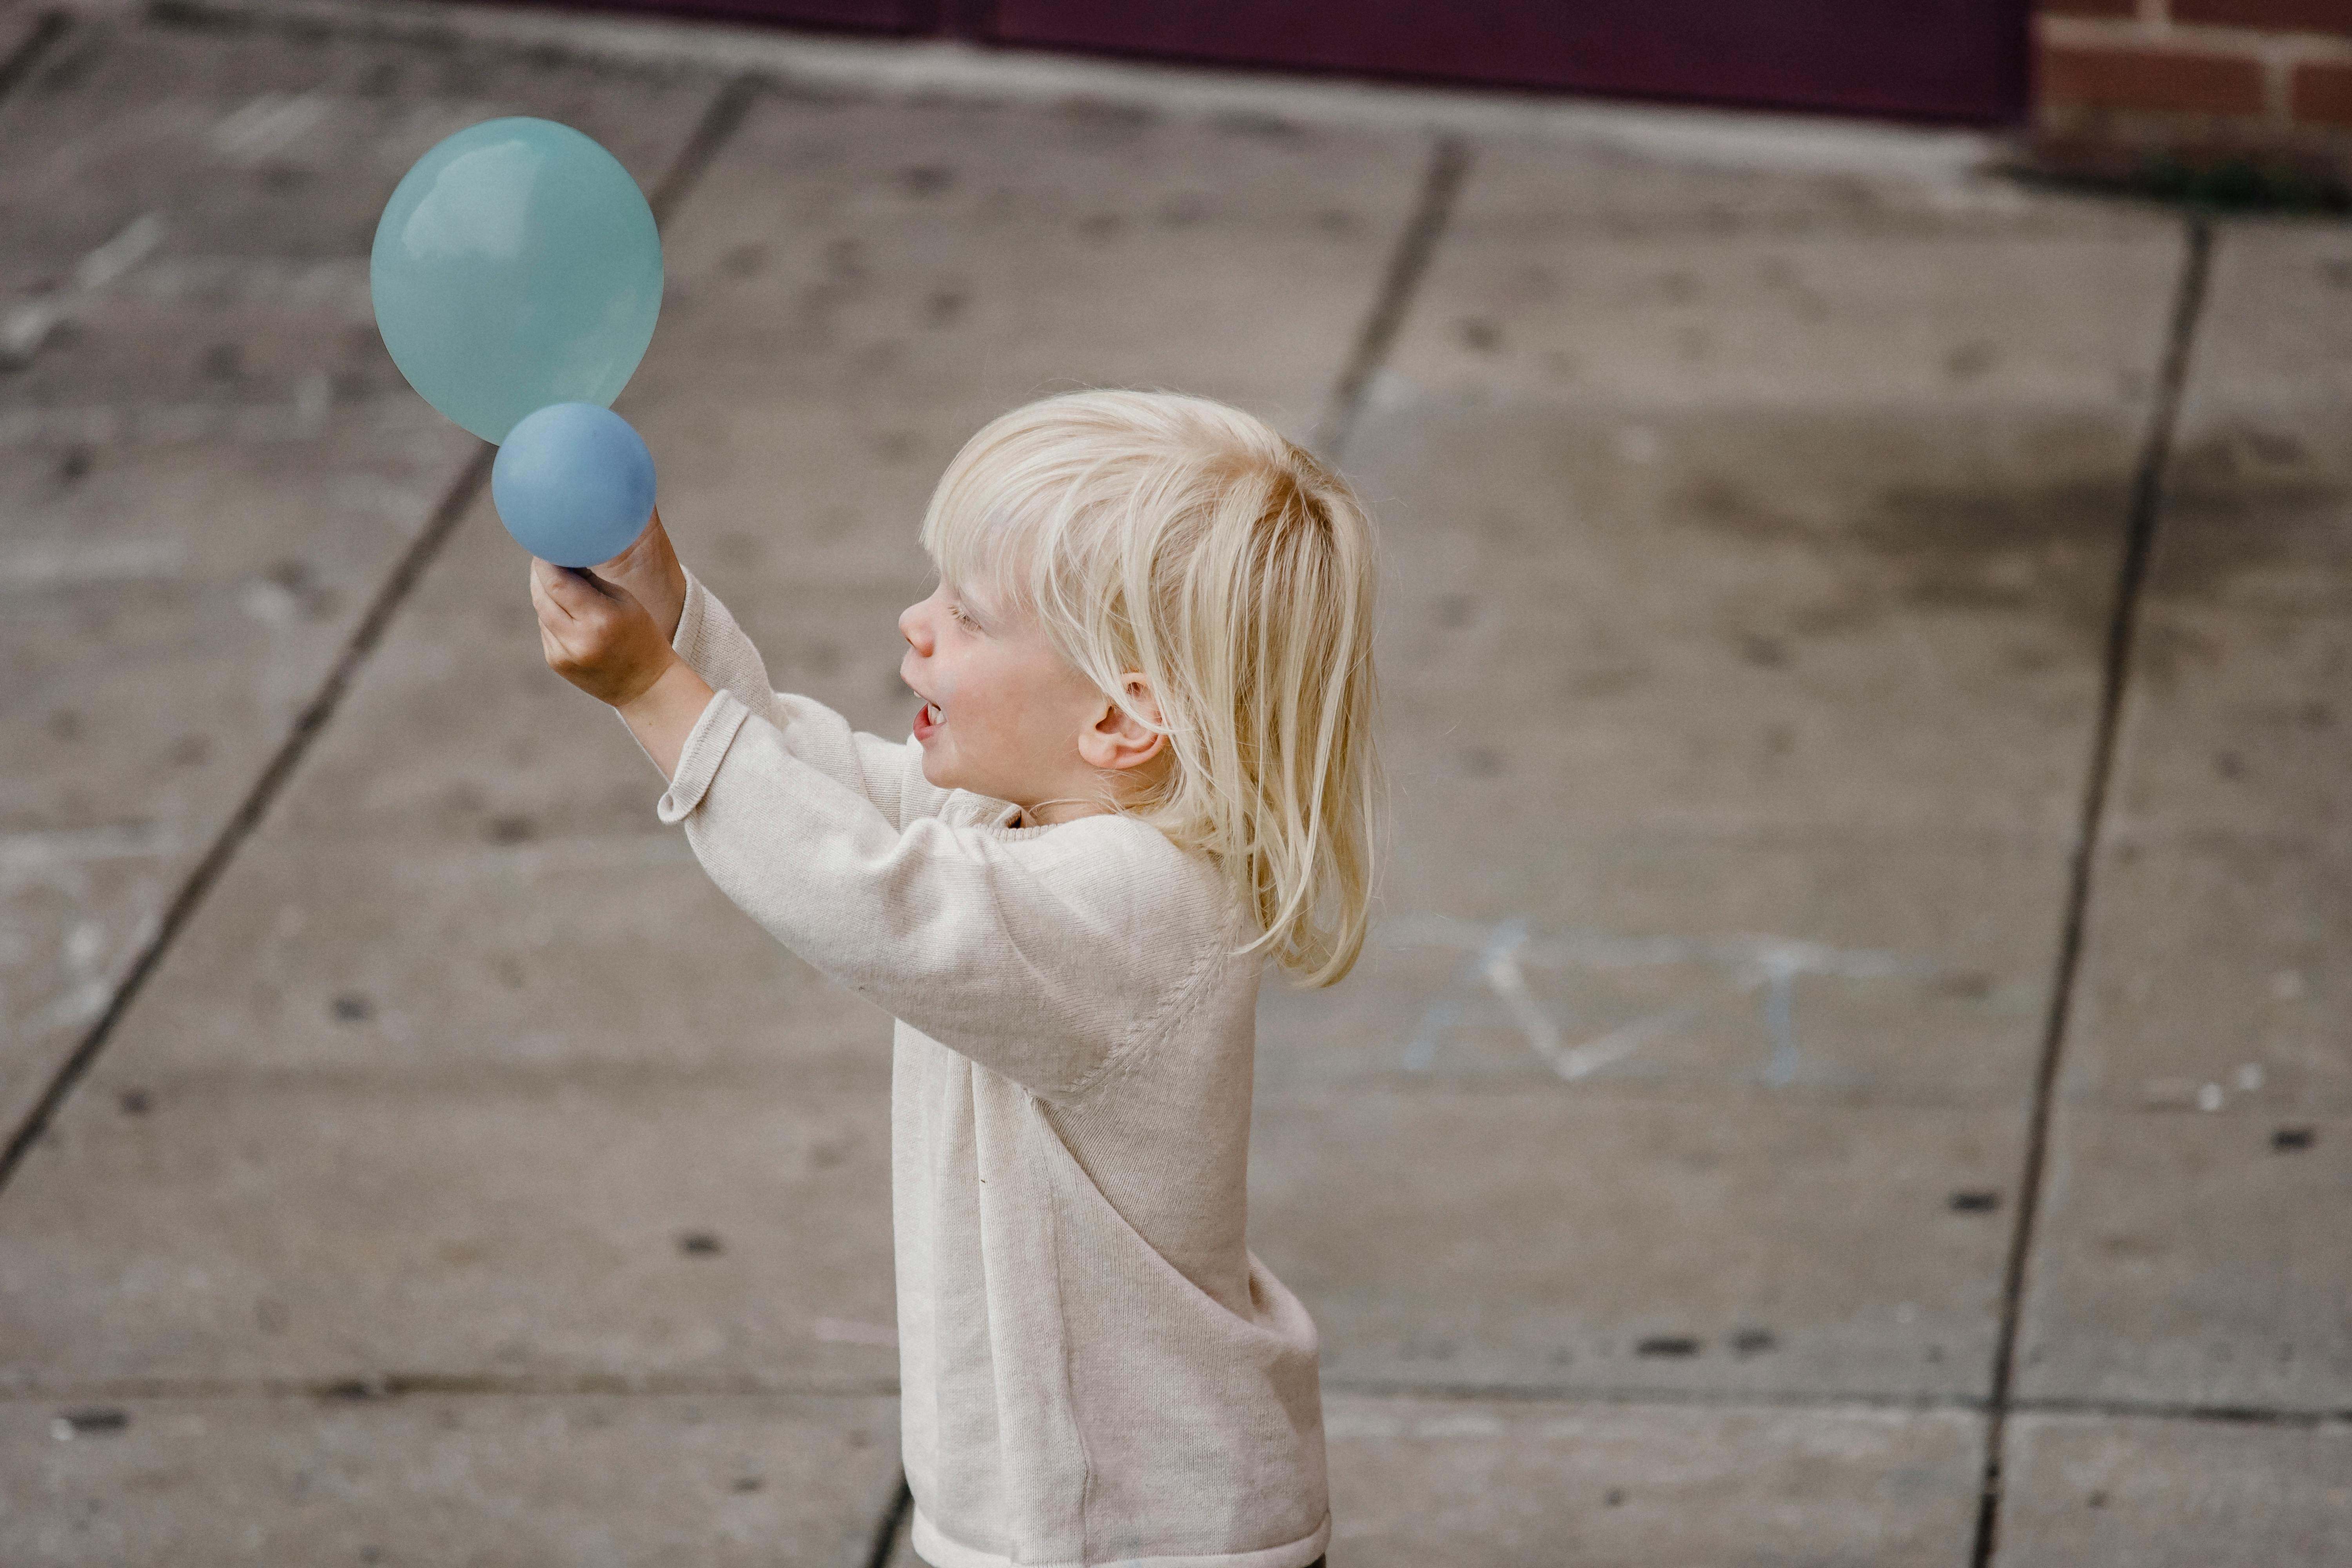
x: 1859, y: 1024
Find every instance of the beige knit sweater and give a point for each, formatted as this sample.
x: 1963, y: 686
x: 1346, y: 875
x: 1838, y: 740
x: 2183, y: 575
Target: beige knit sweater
x: 1094, y: 1369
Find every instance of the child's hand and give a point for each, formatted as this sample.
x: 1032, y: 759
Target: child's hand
x: 649, y: 569
x: 597, y: 636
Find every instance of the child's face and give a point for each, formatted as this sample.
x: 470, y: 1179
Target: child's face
x: 1004, y: 713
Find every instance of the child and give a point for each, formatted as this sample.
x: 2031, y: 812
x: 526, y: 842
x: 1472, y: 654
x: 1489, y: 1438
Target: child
x: 1143, y: 763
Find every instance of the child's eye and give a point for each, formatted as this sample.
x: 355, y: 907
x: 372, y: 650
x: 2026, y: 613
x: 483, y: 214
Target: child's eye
x: 962, y: 620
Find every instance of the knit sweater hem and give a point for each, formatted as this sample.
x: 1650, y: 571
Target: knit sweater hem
x: 941, y: 1551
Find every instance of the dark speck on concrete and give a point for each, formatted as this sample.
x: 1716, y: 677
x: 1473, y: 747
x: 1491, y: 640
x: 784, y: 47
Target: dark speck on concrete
x: 1674, y: 1345
x: 2292, y: 1140
x: 353, y: 1007
x: 134, y: 1102
x: 1967, y: 985
x: 1975, y: 1201
x: 1250, y: 123
x: 700, y: 1243
x: 1753, y: 1341
x: 95, y: 1421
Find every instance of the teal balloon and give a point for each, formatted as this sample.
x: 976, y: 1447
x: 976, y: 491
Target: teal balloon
x: 517, y: 264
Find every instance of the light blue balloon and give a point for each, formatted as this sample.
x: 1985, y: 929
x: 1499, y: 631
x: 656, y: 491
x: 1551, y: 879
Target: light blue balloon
x: 517, y: 264
x: 574, y: 484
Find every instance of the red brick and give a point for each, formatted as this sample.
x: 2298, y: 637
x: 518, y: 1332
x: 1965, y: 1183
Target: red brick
x: 2269, y: 15
x: 2322, y: 93
x: 2087, y: 7
x: 2184, y: 81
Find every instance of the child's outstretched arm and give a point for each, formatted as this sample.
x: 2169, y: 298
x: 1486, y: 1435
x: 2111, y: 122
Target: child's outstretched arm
x: 702, y: 632
x: 1023, y: 957
x: 602, y: 639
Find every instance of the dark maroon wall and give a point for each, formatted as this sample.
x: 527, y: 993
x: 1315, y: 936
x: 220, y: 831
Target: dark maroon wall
x: 1924, y: 59
x: 1944, y: 59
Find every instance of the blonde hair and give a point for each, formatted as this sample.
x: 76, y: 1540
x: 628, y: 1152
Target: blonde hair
x: 1189, y: 542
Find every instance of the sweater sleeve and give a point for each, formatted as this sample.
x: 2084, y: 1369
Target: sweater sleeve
x: 1035, y: 957
x: 888, y: 773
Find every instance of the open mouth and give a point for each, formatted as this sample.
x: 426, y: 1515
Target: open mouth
x: 928, y: 718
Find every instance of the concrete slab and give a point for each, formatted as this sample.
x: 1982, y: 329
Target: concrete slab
x: 1560, y: 1241
x: 647, y: 1480
x: 497, y: 1230
x: 417, y: 963
x: 2083, y: 1492
x: 2229, y: 791
x: 1762, y: 524
x: 937, y: 263
x: 1751, y: 618
x: 1486, y: 1484
x: 1749, y: 564
x: 164, y: 656
x: 1683, y: 964
x: 2192, y: 1259
x: 215, y: 461
x: 2214, y: 979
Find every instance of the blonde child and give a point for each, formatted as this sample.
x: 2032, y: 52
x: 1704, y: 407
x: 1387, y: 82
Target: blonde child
x: 1143, y: 764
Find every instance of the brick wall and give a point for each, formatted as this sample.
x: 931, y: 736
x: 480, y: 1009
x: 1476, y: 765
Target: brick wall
x: 2265, y: 84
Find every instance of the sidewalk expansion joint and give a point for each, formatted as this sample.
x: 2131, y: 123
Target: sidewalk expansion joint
x: 719, y: 120
x: 29, y: 51
x: 1449, y: 163
x: 2140, y: 520
x: 892, y: 1523
x: 389, y: 1388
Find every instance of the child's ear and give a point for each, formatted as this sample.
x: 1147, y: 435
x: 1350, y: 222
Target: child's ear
x: 1116, y: 739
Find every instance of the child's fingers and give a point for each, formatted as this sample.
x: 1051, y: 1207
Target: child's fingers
x: 545, y: 593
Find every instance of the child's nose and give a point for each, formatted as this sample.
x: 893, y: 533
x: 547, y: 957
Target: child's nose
x: 912, y: 626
